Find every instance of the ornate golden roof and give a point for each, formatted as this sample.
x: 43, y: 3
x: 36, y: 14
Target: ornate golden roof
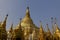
x: 27, y: 19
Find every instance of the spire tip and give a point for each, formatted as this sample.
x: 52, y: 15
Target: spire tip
x: 27, y: 7
x: 7, y: 15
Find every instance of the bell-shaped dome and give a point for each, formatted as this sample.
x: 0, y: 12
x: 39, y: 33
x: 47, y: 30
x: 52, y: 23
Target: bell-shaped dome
x: 27, y: 19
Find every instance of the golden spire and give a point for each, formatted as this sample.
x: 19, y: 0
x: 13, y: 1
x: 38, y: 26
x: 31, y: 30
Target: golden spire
x: 19, y: 24
x: 11, y: 29
x: 27, y: 12
x: 48, y: 32
x: 56, y: 26
x: 4, y: 22
x: 41, y: 29
x: 52, y: 25
x: 57, y: 30
x: 41, y: 33
x: 48, y: 28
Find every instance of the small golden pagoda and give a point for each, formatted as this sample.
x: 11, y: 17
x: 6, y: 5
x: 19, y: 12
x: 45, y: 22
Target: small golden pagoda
x: 48, y: 34
x: 57, y: 32
x: 3, y: 31
x: 41, y: 33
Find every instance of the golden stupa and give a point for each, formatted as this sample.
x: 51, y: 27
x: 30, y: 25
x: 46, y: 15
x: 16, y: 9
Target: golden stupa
x: 27, y: 19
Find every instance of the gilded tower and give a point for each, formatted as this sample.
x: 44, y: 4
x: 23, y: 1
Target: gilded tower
x: 27, y: 24
x: 41, y: 32
x: 48, y: 34
x: 57, y: 31
x: 3, y: 31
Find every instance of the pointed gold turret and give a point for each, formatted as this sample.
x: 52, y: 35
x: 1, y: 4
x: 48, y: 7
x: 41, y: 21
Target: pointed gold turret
x: 48, y: 29
x: 27, y: 12
x: 57, y: 30
x: 4, y: 22
x: 48, y: 33
x: 56, y: 27
x: 19, y: 24
x: 3, y: 26
x: 11, y: 29
x: 41, y: 29
x: 41, y: 32
x: 52, y: 25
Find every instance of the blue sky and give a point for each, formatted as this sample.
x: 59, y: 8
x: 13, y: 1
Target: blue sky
x: 39, y: 9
